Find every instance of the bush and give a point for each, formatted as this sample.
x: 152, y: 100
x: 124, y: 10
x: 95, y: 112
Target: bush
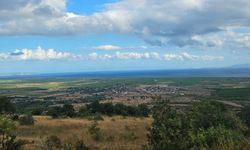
x: 52, y: 142
x: 129, y: 136
x: 209, y: 125
x: 6, y: 106
x: 37, y: 111
x: 8, y: 139
x: 84, y: 112
x: 245, y: 115
x: 169, y: 129
x: 55, y: 111
x: 118, y: 109
x: 26, y: 120
x: 65, y: 111
x: 95, y: 132
x: 13, y: 144
x: 80, y: 145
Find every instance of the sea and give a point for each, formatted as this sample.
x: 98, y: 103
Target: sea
x: 218, y: 72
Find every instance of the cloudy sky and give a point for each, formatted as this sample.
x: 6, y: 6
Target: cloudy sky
x: 38, y: 36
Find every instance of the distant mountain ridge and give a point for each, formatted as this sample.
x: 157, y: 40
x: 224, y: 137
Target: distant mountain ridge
x: 241, y: 66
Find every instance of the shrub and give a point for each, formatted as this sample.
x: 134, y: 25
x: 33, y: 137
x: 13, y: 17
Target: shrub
x: 65, y: 111
x: 6, y: 106
x: 118, y: 109
x: 245, y: 115
x: 94, y: 131
x: 80, y: 145
x: 8, y: 139
x: 55, y: 111
x: 68, y: 110
x: 26, y: 120
x: 13, y: 144
x: 169, y: 129
x: 67, y: 146
x: 209, y: 125
x: 52, y: 142
x: 84, y: 112
x: 129, y: 136
x: 37, y: 111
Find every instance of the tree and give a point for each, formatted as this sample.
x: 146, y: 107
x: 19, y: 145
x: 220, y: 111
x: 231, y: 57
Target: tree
x: 55, y: 111
x: 212, y: 125
x: 68, y: 110
x: 245, y: 115
x: 209, y: 125
x: 65, y: 111
x: 169, y: 130
x: 6, y: 106
x: 143, y: 110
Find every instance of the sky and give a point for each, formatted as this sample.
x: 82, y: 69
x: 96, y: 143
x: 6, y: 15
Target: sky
x: 52, y: 36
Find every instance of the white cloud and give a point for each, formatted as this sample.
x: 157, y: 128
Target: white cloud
x: 187, y: 56
x: 154, y: 56
x: 40, y: 54
x: 37, y: 54
x: 107, y: 47
x: 241, y: 39
x: 157, y: 22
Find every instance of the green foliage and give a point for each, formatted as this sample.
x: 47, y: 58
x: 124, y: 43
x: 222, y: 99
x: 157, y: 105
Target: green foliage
x: 8, y: 139
x: 6, y: 106
x: 54, y: 111
x: 209, y: 125
x: 169, y: 129
x: 93, y: 98
x: 7, y: 126
x: 65, y: 111
x: 118, y: 109
x: 211, y: 114
x: 68, y: 110
x: 233, y: 93
x: 219, y: 136
x: 33, y: 107
x: 84, y: 112
x: 245, y: 115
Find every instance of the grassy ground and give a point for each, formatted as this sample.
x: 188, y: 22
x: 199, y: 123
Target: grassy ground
x: 118, y: 133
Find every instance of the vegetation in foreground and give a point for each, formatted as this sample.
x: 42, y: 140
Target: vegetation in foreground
x: 207, y: 125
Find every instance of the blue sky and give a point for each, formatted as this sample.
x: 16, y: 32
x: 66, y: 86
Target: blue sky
x: 40, y: 36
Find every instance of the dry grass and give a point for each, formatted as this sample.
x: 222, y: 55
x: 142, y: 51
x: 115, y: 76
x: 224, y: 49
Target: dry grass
x: 118, y: 133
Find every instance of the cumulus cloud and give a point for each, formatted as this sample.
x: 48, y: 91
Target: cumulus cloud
x: 40, y: 54
x: 154, y: 56
x: 37, y: 54
x: 160, y: 22
x: 187, y: 56
x: 241, y: 39
x: 107, y: 47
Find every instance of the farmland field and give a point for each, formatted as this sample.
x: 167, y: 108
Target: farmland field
x: 125, y: 129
